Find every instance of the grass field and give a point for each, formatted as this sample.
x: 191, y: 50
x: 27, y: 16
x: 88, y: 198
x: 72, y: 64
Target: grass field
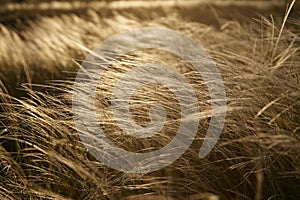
x: 255, y: 46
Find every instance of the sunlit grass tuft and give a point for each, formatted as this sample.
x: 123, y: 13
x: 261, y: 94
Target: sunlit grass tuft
x: 257, y: 157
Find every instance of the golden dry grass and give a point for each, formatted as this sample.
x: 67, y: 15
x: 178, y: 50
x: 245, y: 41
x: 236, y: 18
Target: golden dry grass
x: 257, y: 156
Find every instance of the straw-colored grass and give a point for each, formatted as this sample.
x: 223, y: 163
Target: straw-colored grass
x: 257, y: 156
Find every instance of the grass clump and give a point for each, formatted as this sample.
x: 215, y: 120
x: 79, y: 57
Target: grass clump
x: 257, y: 156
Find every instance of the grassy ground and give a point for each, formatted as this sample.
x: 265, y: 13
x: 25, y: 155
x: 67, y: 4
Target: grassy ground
x: 28, y: 25
x: 257, y: 157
